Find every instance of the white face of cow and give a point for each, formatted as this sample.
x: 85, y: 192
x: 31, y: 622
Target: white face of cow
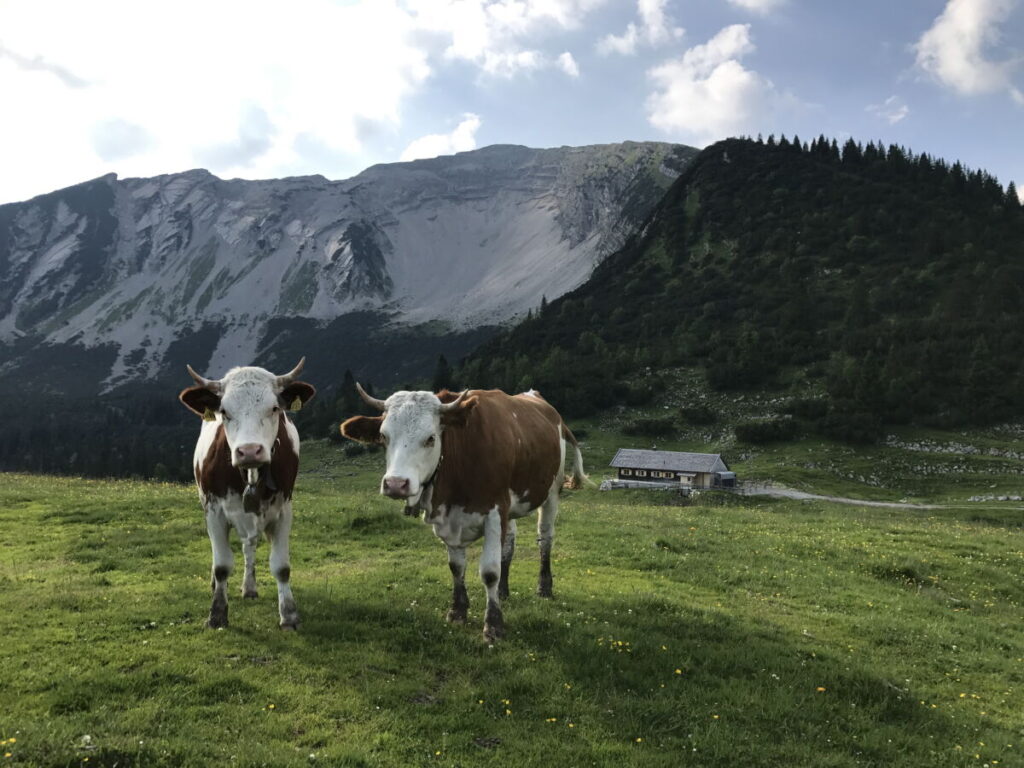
x: 250, y: 413
x: 248, y: 403
x: 411, y: 433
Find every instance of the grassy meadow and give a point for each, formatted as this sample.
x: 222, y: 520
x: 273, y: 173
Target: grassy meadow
x: 726, y: 632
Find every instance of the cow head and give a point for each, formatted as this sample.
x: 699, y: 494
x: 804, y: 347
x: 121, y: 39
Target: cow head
x: 248, y: 403
x: 410, y: 429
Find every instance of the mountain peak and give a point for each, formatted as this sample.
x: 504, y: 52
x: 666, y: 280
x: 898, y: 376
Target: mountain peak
x: 140, y: 266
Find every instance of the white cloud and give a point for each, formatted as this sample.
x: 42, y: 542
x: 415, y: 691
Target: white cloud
x: 462, y: 139
x: 956, y: 48
x: 707, y: 94
x: 193, y: 90
x: 497, y: 35
x: 250, y: 91
x: 655, y: 29
x: 624, y: 44
x: 758, y: 6
x: 892, y: 109
x: 568, y: 64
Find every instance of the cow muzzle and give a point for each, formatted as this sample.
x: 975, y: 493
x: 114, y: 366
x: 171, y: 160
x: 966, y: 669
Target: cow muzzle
x: 251, y: 456
x: 396, y: 487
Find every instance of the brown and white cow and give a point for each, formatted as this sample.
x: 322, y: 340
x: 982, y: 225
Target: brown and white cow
x: 246, y: 461
x: 472, y: 464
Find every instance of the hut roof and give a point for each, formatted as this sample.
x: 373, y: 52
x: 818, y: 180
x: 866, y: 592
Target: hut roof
x: 676, y: 461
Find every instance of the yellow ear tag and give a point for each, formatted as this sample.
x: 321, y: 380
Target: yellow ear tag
x: 296, y: 404
x: 209, y: 415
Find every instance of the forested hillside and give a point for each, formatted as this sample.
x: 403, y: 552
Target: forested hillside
x: 884, y: 283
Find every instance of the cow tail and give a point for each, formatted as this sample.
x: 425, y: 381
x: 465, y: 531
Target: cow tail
x: 578, y: 476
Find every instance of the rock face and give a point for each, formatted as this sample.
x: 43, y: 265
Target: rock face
x: 139, y: 268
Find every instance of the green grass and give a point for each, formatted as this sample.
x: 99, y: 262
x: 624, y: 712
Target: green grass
x: 804, y: 634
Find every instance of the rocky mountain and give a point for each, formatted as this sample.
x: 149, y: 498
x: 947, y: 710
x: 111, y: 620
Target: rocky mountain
x: 116, y: 281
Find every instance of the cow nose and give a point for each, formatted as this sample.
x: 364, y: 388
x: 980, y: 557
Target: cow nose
x: 250, y: 453
x: 396, y: 487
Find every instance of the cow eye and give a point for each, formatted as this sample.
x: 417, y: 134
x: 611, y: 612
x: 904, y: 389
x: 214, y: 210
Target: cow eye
x: 429, y: 442
x: 224, y: 415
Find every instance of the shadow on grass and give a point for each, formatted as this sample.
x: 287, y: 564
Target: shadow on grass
x: 610, y: 662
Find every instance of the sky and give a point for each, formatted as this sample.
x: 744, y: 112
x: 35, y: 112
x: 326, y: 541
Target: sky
x: 260, y: 89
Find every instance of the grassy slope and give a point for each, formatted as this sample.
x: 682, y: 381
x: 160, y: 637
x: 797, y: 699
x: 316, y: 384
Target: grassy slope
x: 911, y: 464
x: 910, y: 622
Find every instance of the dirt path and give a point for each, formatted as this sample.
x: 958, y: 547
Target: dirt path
x: 780, y: 492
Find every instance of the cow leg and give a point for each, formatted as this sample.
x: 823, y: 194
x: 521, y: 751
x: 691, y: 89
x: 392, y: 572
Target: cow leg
x: 508, y: 550
x: 460, y: 598
x: 280, y: 566
x: 490, y: 570
x: 223, y: 562
x: 545, y: 535
x: 249, y: 581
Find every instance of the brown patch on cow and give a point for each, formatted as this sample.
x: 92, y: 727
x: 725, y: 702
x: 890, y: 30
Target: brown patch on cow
x: 216, y: 476
x: 199, y: 400
x: 508, y: 442
x: 362, y: 429
x: 447, y: 396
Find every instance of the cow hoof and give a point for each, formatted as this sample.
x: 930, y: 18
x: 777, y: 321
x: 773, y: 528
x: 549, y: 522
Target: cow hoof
x: 217, y: 622
x: 456, y: 617
x: 289, y: 619
x: 250, y: 594
x: 545, y: 592
x: 493, y: 633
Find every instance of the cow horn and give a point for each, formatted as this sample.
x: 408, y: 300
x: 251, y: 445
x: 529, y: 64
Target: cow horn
x: 445, y: 407
x: 370, y: 399
x: 288, y: 378
x: 211, y: 384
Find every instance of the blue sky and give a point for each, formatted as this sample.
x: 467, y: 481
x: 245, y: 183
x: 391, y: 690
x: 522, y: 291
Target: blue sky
x: 259, y: 89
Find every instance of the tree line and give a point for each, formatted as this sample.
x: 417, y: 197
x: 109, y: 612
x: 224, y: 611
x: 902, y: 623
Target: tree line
x: 884, y: 282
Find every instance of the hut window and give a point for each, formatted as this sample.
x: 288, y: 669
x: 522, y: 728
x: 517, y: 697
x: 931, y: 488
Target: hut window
x: 641, y: 473
x: 627, y: 472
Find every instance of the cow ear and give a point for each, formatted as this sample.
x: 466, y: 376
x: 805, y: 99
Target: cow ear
x: 460, y: 415
x: 363, y: 429
x: 296, y: 391
x: 200, y: 400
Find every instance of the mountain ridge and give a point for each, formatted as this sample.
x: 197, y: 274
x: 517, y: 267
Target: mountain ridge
x: 469, y: 240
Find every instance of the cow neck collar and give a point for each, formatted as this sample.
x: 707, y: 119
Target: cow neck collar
x: 427, y: 492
